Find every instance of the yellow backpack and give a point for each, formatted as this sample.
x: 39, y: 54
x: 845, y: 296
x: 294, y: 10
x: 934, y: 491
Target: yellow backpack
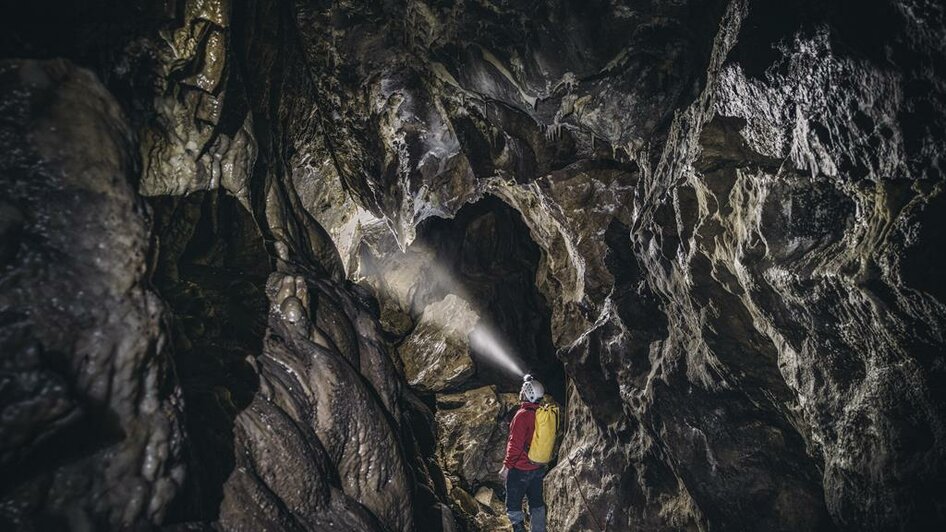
x: 545, y: 436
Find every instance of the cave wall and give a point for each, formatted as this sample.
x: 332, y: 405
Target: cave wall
x: 278, y: 377
x: 92, y: 434
x: 737, y: 206
x: 723, y: 258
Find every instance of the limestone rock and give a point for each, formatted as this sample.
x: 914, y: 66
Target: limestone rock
x: 304, y: 439
x: 91, y: 410
x: 436, y: 355
x: 200, y: 137
x: 721, y: 220
x: 484, y: 496
x: 472, y: 427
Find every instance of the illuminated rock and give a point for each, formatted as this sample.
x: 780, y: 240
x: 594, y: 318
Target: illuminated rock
x: 719, y: 222
x: 436, y: 355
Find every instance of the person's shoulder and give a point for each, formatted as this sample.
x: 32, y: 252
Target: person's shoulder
x: 525, y: 412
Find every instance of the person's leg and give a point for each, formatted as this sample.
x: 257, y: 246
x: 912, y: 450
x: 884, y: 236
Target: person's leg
x: 516, y: 483
x: 537, y: 519
x: 536, y: 500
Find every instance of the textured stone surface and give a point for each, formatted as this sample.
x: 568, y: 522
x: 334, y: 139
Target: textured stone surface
x: 471, y: 429
x: 195, y: 140
x: 436, y: 355
x: 485, y: 256
x: 715, y: 275
x: 304, y: 440
x: 723, y: 217
x: 91, y: 433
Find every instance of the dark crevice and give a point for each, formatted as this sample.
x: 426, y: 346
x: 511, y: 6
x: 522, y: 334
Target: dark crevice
x: 211, y: 269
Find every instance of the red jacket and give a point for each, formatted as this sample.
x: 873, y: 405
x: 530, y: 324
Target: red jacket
x: 520, y: 436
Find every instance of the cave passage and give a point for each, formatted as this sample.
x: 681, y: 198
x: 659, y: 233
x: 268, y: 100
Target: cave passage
x: 486, y: 254
x: 211, y: 268
x: 247, y: 250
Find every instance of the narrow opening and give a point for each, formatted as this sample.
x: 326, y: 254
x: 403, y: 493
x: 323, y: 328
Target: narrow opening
x: 211, y: 270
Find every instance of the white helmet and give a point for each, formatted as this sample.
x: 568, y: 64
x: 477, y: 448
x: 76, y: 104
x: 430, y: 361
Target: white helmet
x: 532, y: 390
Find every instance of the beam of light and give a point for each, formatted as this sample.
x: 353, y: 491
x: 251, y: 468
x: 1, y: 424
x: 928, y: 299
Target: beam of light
x: 485, y: 342
x: 397, y: 278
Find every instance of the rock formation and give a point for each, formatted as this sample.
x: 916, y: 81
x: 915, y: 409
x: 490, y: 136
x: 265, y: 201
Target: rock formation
x: 91, y: 432
x: 250, y: 251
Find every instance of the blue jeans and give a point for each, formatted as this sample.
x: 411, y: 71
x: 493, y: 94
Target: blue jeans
x: 521, y: 484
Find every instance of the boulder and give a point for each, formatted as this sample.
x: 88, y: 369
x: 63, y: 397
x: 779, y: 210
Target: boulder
x: 472, y: 427
x: 436, y: 355
x: 90, y: 408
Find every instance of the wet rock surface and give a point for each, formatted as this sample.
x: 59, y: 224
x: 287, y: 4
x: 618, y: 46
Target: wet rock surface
x: 712, y: 227
x: 473, y: 426
x: 313, y: 403
x: 92, y: 431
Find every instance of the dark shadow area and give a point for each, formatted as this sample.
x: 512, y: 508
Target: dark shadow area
x: 858, y: 29
x: 487, y: 251
x: 211, y: 269
x: 36, y: 375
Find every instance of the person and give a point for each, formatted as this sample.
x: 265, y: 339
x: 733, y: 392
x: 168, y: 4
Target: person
x: 522, y: 477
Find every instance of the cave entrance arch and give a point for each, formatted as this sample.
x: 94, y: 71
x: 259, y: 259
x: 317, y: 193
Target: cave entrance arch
x: 486, y: 254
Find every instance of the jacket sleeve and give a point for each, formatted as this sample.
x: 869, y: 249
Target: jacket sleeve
x: 516, y: 446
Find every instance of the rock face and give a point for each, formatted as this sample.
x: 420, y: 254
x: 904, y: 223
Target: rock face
x: 91, y: 434
x: 472, y: 427
x: 192, y: 143
x: 315, y: 448
x: 714, y: 228
x: 436, y: 355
